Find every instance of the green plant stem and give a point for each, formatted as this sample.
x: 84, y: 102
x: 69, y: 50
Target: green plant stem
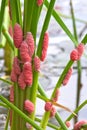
x: 84, y: 40
x: 78, y: 87
x: 42, y: 97
x: 49, y: 124
x: 5, y: 23
x: 6, y: 81
x: 84, y: 126
x: 7, y: 121
x: 44, y: 120
x: 2, y: 13
x: 15, y: 12
x: 73, y: 21
x: 62, y: 124
x: 78, y: 62
x: 35, y: 17
x: 59, y: 82
x: 3, y: 105
x: 45, y: 26
x: 69, y: 17
x: 33, y: 91
x: 61, y: 23
x: 8, y: 37
x: 15, y: 117
x: 41, y: 91
x: 77, y: 110
x: 28, y: 11
x: 58, y: 118
x: 20, y: 113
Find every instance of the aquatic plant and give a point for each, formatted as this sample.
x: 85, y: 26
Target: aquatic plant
x: 25, y: 86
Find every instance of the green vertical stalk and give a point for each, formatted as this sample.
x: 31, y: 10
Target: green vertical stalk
x: 28, y: 13
x: 35, y: 18
x: 16, y: 12
x: 7, y: 120
x: 78, y: 87
x: 57, y: 116
x: 45, y: 26
x: 15, y: 116
x: 73, y: 21
x: 59, y: 82
x: 33, y: 94
x: 78, y: 62
x: 2, y: 10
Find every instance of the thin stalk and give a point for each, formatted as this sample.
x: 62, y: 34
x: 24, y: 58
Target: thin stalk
x: 44, y: 120
x: 59, y: 82
x: 84, y: 40
x: 15, y: 12
x: 61, y: 23
x: 45, y: 26
x: 49, y: 124
x: 69, y: 17
x: 58, y: 118
x: 20, y: 113
x: 73, y: 21
x: 78, y: 88
x: 15, y: 116
x: 62, y: 124
x: 8, y: 37
x: 42, y: 97
x: 78, y: 62
x: 28, y: 11
x: 35, y: 17
x: 7, y: 121
x: 41, y: 91
x: 33, y: 91
x: 3, y: 105
x: 6, y: 81
x: 2, y: 10
x: 5, y: 23
x: 77, y: 110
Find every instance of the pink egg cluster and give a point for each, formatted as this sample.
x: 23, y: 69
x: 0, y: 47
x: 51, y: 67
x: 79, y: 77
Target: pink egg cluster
x: 29, y: 106
x: 67, y: 77
x: 17, y: 35
x: 78, y: 125
x: 56, y: 96
x: 49, y: 107
x: 68, y: 124
x: 44, y: 46
x: 39, y: 2
x: 27, y: 62
x: 77, y: 52
x: 12, y: 94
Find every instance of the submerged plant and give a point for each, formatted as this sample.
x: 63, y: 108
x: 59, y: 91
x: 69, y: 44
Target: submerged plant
x: 27, y: 59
